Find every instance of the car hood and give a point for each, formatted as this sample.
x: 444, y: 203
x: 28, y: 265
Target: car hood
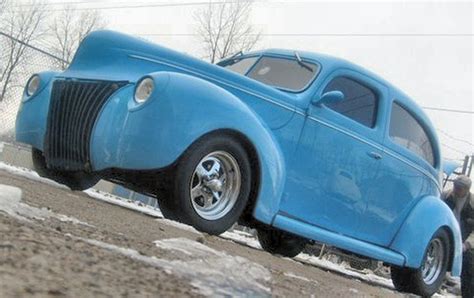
x: 113, y: 56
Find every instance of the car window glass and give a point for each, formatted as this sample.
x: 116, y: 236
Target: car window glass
x: 241, y: 66
x: 406, y: 131
x: 284, y: 73
x: 359, y: 104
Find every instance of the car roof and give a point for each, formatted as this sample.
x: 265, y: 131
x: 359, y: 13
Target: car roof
x: 332, y: 62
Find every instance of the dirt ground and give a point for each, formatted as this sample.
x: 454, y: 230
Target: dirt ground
x: 110, y: 251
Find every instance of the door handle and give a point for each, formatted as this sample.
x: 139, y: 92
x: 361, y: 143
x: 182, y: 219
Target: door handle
x: 375, y: 155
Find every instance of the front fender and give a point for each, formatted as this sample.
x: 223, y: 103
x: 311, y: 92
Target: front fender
x: 429, y: 215
x: 181, y: 109
x: 30, y: 126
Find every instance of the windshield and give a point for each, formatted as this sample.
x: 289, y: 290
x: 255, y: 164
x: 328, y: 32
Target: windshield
x: 281, y: 73
x: 241, y: 66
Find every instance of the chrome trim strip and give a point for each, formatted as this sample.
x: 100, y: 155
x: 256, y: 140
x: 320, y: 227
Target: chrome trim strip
x: 377, y: 146
x: 197, y: 73
x: 413, y: 165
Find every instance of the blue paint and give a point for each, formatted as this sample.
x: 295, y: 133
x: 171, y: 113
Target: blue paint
x: 323, y: 175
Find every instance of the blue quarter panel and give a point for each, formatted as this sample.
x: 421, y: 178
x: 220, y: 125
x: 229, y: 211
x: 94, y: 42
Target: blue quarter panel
x: 425, y: 219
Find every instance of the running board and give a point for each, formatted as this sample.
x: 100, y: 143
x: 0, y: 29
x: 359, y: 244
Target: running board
x: 338, y: 240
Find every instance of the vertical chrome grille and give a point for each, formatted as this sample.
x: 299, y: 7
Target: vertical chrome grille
x: 74, y: 107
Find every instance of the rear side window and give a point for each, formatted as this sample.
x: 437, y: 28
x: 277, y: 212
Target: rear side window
x: 406, y: 131
x: 359, y: 104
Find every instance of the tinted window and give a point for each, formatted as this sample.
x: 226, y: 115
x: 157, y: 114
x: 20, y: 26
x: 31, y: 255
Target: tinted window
x: 407, y: 132
x: 359, y: 104
x: 241, y: 66
x: 284, y: 73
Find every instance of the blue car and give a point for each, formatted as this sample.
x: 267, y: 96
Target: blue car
x: 298, y: 145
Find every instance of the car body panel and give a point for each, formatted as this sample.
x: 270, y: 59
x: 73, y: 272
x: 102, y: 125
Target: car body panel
x: 318, y: 177
x: 429, y: 215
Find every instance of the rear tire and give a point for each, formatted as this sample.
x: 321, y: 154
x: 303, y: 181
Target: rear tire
x: 73, y: 180
x: 427, y: 279
x: 278, y: 242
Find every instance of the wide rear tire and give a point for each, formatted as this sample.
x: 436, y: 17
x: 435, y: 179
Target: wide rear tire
x: 427, y: 279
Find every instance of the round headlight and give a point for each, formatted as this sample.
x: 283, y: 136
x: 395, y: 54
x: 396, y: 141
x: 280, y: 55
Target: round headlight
x: 144, y: 90
x: 33, y: 85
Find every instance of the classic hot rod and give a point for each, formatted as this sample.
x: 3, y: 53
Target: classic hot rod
x: 298, y: 145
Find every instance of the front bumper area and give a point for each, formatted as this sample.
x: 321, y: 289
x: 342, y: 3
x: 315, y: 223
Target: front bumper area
x: 93, y: 125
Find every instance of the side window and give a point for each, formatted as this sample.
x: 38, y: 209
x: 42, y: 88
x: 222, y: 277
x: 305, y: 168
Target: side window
x: 360, y: 103
x: 406, y: 131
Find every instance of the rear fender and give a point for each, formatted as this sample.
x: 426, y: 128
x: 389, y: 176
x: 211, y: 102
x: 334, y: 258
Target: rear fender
x: 429, y: 215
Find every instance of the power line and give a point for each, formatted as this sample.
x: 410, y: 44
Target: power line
x: 32, y: 47
x: 64, y: 2
x: 331, y: 34
x: 168, y: 4
x: 448, y: 110
x: 454, y: 138
x: 454, y: 149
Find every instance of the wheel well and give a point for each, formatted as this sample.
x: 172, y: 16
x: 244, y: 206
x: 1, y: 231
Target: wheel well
x: 246, y: 218
x: 451, y: 247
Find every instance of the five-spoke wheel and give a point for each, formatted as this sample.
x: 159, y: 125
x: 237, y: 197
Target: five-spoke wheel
x: 215, y: 185
x: 212, y: 184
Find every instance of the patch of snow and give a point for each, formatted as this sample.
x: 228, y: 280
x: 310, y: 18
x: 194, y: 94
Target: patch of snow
x: 133, y: 205
x: 213, y: 272
x: 179, y: 225
x: 344, y: 269
x: 292, y: 275
x: 186, y: 246
x: 29, y: 174
x: 10, y: 203
x: 352, y: 290
x: 2, y: 144
x: 225, y: 274
x: 242, y: 238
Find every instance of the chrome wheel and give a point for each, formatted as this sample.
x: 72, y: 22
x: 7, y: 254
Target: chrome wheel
x: 434, y: 259
x: 215, y: 185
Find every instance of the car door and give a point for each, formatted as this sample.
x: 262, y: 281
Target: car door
x: 406, y: 174
x: 330, y: 177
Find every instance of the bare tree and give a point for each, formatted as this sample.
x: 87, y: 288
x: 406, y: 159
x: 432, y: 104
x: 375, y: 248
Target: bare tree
x: 2, y: 6
x: 23, y: 25
x: 225, y: 28
x: 69, y: 29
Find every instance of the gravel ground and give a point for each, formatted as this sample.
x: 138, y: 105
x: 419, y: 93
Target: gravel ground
x: 111, y: 251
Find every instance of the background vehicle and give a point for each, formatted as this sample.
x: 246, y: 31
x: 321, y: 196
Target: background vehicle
x: 298, y: 145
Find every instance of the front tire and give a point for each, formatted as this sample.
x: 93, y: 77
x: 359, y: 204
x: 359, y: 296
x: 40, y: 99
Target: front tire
x: 278, y: 242
x: 212, y: 184
x: 73, y: 180
x: 427, y: 279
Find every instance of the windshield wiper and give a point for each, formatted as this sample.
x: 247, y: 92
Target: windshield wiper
x: 300, y: 62
x: 239, y: 53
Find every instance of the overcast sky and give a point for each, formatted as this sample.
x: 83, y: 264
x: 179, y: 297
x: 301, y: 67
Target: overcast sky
x: 424, y: 48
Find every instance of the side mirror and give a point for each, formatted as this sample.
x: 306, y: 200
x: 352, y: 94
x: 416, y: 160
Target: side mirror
x: 329, y: 97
